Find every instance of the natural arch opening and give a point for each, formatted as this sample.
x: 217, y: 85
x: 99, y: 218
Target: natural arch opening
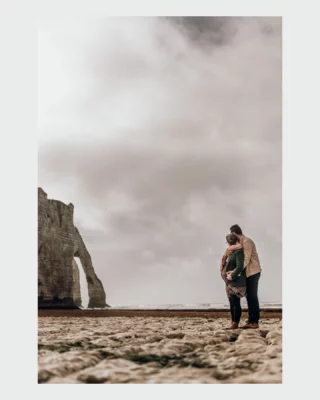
x: 83, y: 284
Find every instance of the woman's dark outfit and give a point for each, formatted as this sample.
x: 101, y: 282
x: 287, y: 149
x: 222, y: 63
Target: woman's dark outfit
x: 237, y: 287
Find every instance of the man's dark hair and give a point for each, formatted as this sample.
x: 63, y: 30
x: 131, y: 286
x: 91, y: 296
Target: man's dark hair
x: 236, y: 229
x: 232, y: 239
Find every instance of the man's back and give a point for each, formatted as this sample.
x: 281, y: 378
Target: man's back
x: 251, y: 258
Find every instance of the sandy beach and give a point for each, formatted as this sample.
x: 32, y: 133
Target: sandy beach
x: 157, y: 349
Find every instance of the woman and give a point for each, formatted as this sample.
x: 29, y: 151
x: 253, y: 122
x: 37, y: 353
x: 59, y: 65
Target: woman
x: 232, y: 272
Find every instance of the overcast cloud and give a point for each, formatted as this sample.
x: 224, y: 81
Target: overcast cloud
x: 163, y: 132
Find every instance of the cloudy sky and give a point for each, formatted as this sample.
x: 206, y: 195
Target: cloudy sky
x: 163, y: 132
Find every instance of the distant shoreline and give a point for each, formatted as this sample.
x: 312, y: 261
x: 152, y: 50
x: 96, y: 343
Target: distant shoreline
x: 114, y: 312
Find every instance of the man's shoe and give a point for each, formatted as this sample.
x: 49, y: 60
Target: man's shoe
x: 246, y: 324
x: 251, y: 325
x: 234, y: 325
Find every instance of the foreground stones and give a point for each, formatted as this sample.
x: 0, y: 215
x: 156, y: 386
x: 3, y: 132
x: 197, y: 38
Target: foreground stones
x: 59, y: 241
x: 157, y: 350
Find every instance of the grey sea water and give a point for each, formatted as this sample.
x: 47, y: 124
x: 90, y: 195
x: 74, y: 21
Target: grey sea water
x: 202, y: 306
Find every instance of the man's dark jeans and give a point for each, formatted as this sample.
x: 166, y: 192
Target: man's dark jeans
x: 252, y: 298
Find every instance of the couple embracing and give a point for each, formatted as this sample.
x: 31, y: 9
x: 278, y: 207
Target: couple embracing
x: 240, y: 269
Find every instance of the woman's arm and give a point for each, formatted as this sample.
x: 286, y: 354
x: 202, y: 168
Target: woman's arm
x: 240, y: 265
x: 223, y: 261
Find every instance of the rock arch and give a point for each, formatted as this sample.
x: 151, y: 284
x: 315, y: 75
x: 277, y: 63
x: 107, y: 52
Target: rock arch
x: 59, y: 241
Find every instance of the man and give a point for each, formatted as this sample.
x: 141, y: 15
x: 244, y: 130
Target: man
x: 253, y: 272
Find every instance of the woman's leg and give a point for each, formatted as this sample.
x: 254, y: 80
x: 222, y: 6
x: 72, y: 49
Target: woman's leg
x: 231, y: 308
x: 237, y: 311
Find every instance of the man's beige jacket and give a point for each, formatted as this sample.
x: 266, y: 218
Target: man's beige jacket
x: 251, y: 258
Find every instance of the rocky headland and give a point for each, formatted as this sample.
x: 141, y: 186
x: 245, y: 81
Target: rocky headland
x: 59, y: 242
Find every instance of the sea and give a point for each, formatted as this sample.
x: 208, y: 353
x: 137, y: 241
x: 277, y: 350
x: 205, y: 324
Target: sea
x: 202, y: 306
